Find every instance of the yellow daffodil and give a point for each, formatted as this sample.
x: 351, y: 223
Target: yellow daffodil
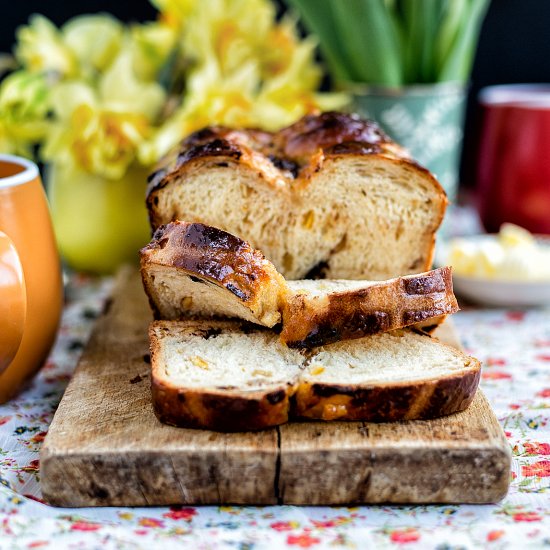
x: 94, y: 40
x: 175, y: 12
x: 122, y: 91
x: 24, y: 96
x: 153, y: 43
x: 279, y: 46
x: 210, y: 99
x: 41, y: 48
x: 100, y: 129
x: 11, y: 141
x: 245, y: 69
x: 229, y: 31
x: 106, y: 96
x: 91, y: 136
x: 24, y: 103
x: 287, y: 96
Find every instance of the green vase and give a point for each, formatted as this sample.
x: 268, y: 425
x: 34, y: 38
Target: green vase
x: 100, y: 224
x: 427, y: 119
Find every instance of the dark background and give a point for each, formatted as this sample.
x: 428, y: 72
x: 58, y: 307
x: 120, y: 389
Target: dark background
x: 514, y: 44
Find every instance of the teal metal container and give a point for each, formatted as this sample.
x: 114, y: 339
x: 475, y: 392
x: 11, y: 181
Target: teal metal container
x: 427, y: 119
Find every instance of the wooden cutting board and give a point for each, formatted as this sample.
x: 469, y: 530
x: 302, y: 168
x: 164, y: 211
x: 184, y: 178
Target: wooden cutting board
x: 105, y: 446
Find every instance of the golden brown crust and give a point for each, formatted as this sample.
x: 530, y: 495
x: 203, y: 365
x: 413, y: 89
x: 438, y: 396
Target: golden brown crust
x: 220, y: 411
x: 315, y: 321
x: 208, y: 254
x: 388, y: 402
x: 339, y: 133
x: 331, y: 132
x: 294, y: 153
x: 211, y: 143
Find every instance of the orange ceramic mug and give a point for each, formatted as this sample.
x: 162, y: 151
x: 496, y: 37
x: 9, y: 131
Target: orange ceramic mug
x: 30, y: 276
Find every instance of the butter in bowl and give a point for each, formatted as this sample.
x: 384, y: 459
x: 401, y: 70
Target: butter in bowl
x: 508, y: 269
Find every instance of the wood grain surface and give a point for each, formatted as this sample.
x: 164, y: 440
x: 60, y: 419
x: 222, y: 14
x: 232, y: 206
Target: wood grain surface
x: 105, y: 446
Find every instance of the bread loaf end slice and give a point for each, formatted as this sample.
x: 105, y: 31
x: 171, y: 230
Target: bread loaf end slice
x: 192, y: 269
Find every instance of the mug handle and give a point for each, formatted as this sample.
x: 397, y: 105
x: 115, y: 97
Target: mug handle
x: 13, y: 301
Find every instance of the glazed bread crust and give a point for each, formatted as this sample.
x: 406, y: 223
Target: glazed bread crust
x: 330, y: 195
x: 218, y: 410
x: 193, y: 269
x: 390, y: 402
x: 327, y: 317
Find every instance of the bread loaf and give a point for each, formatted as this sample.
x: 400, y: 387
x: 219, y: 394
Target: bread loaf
x: 331, y: 195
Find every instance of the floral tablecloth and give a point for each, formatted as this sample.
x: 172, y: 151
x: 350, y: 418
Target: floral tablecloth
x: 515, y: 349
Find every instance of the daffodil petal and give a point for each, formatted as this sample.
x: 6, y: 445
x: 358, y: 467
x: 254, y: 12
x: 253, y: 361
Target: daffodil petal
x: 121, y: 91
x: 94, y: 39
x: 40, y: 48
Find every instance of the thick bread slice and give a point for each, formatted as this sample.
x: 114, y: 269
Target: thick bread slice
x: 197, y: 270
x: 400, y: 375
x: 221, y: 375
x: 331, y: 194
x: 326, y: 311
x: 225, y: 376
x: 190, y: 269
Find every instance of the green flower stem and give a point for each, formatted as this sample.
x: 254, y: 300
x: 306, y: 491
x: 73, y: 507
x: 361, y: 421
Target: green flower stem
x: 395, y: 42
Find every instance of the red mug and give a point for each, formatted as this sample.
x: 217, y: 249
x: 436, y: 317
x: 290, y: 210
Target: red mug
x: 513, y: 165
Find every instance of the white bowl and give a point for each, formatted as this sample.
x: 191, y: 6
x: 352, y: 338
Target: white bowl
x: 495, y: 292
x: 492, y: 292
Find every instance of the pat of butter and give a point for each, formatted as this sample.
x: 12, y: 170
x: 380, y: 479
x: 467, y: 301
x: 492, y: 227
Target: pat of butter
x: 514, y: 255
x: 511, y: 235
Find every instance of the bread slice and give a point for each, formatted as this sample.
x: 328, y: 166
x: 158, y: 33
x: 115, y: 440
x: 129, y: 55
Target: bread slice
x: 399, y: 375
x: 330, y: 195
x: 193, y: 269
x: 221, y: 375
x: 321, y: 312
x: 190, y: 269
x: 227, y: 376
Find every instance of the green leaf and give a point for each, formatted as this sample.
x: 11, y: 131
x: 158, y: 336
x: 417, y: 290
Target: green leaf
x: 370, y: 40
x: 318, y: 18
x: 452, y: 18
x: 420, y: 20
x: 458, y: 63
x: 395, y: 42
